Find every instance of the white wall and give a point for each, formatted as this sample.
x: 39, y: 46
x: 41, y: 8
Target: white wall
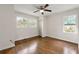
x: 7, y: 26
x: 42, y: 26
x: 26, y: 32
x: 55, y: 26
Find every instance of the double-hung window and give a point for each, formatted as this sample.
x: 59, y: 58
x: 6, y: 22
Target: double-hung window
x: 70, y: 24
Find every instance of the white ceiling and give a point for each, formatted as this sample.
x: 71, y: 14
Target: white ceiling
x: 30, y: 8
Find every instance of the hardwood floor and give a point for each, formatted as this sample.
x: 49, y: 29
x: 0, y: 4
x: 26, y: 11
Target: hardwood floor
x: 45, y: 45
x: 8, y: 51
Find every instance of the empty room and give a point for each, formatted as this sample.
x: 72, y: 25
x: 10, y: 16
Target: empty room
x: 39, y: 28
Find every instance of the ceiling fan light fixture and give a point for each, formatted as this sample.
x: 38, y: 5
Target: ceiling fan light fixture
x: 41, y: 11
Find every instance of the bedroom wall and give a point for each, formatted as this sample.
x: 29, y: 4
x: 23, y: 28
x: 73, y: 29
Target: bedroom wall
x: 7, y: 26
x: 42, y: 26
x: 55, y: 26
x: 26, y: 32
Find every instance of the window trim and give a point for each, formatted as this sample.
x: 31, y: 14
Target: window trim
x: 70, y: 24
x: 28, y: 26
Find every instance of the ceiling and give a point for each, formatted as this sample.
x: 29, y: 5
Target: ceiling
x: 30, y: 8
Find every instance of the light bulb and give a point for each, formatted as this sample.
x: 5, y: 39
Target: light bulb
x: 41, y: 11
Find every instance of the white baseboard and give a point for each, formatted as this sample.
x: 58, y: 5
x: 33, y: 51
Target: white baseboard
x: 7, y: 47
x: 63, y: 39
x: 25, y: 37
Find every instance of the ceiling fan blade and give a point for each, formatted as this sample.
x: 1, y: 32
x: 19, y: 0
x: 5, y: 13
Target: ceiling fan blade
x: 46, y: 5
x: 36, y: 11
x: 48, y: 10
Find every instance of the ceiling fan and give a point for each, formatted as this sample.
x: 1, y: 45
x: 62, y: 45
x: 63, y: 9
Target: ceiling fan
x: 42, y: 9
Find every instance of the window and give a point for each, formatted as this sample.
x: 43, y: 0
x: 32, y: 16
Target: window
x: 24, y: 22
x: 70, y: 24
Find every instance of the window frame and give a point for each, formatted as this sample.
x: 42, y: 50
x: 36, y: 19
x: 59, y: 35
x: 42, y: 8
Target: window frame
x: 76, y: 25
x: 28, y: 25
